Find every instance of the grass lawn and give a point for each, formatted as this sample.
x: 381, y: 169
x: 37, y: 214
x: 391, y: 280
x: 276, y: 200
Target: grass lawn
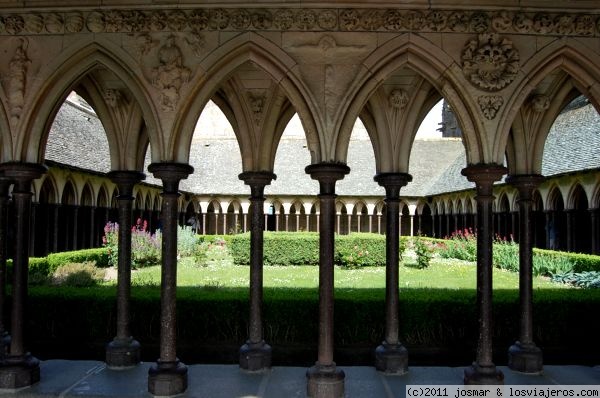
x: 441, y: 274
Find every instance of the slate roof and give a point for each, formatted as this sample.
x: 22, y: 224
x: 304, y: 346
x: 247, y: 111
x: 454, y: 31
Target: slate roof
x: 573, y: 142
x: 435, y: 164
x: 77, y: 139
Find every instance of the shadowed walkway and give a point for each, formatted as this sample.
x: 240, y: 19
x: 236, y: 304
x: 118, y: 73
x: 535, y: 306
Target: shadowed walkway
x: 61, y: 378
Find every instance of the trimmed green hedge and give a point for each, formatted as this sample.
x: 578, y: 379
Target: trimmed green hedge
x: 40, y: 267
x: 215, y: 321
x: 302, y: 248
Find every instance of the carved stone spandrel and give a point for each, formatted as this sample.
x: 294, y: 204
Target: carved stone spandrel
x: 490, y: 105
x: 490, y: 62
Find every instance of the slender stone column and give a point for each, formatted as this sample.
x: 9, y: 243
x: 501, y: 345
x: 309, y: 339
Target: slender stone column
x: 570, y: 229
x: 324, y: 379
x: 595, y: 218
x: 255, y: 355
x: 123, y: 351
x: 20, y: 368
x: 4, y: 336
x: 168, y: 376
x: 391, y: 356
x: 483, y: 370
x: 524, y: 356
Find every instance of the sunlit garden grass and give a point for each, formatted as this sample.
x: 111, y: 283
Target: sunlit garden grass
x: 441, y: 274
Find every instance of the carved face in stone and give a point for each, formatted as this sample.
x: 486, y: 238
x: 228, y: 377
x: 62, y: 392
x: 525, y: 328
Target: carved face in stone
x: 398, y: 99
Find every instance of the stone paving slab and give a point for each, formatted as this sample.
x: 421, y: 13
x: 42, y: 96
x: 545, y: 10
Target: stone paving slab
x: 61, y: 378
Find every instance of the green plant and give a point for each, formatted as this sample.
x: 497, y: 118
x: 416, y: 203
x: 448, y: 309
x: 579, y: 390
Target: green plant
x: 586, y: 279
x: 77, y: 275
x: 187, y: 242
x: 423, y: 251
x: 462, y: 245
x: 505, y: 254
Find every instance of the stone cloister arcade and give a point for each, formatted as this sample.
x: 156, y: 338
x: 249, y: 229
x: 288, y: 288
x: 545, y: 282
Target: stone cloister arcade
x: 505, y: 68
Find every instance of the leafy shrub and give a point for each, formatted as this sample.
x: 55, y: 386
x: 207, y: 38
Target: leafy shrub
x: 110, y: 241
x: 361, y: 250
x: 548, y: 262
x: 505, y: 254
x: 461, y: 245
x: 436, y: 320
x: 187, y: 242
x: 423, y: 251
x: 302, y: 248
x: 586, y: 279
x: 77, y: 275
x: 98, y: 256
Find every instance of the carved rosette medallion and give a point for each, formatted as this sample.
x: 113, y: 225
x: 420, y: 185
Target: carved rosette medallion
x: 489, y: 105
x: 314, y: 19
x: 490, y: 62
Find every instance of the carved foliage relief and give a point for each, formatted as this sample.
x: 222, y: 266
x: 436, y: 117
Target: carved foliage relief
x: 344, y: 19
x: 490, y: 62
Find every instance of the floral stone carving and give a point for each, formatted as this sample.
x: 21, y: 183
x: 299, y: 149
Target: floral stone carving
x: 489, y: 105
x: 490, y: 62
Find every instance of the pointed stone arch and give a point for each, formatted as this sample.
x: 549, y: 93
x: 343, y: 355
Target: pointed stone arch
x: 438, y: 68
x: 574, y: 58
x: 6, y: 153
x: 87, y: 195
x: 64, y: 74
x: 220, y: 64
x: 102, y: 198
x: 69, y: 193
x: 48, y: 193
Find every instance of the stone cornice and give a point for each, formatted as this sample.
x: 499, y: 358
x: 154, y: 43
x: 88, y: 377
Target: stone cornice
x: 396, y: 20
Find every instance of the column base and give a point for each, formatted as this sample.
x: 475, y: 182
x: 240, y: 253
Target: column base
x: 525, y: 358
x: 477, y: 375
x: 325, y: 382
x: 4, y: 345
x: 167, y: 378
x: 122, y: 353
x: 18, y: 372
x: 255, y: 357
x: 391, y: 359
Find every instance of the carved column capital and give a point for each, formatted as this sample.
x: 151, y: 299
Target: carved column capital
x: 484, y: 175
x: 125, y: 181
x: 257, y: 180
x: 327, y: 174
x: 22, y: 173
x: 170, y: 173
x: 525, y: 184
x: 392, y: 182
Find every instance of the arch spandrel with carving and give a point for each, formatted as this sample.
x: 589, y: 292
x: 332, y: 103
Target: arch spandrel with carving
x: 552, y: 77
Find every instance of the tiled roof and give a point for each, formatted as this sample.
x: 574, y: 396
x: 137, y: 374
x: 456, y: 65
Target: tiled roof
x: 435, y: 164
x: 77, y: 138
x: 573, y: 142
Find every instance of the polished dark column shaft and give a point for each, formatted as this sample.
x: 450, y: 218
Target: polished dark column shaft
x: 391, y: 356
x: 255, y: 355
x: 124, y: 351
x: 483, y: 370
x: 524, y: 356
x: 20, y: 368
x: 168, y: 376
x: 4, y: 336
x: 595, y: 218
x: 324, y: 380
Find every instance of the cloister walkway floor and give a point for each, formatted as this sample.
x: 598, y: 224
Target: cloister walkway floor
x: 62, y: 378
